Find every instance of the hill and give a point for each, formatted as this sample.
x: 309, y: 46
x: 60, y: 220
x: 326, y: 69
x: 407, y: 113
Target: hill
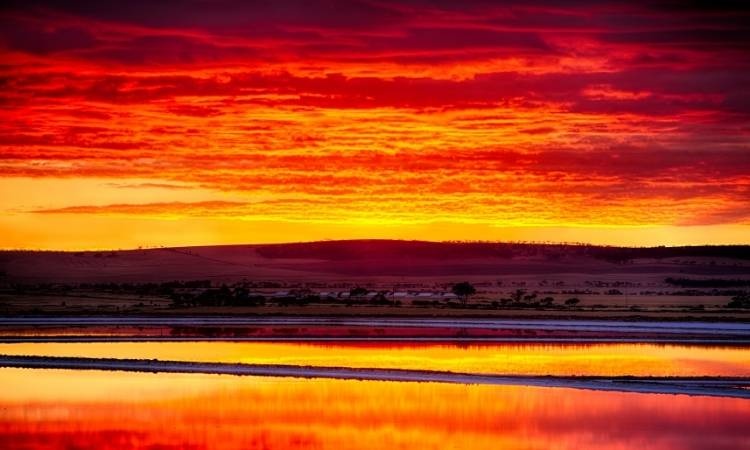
x: 328, y: 261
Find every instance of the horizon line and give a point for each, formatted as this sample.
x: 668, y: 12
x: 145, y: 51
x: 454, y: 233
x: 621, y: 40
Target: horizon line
x: 447, y: 241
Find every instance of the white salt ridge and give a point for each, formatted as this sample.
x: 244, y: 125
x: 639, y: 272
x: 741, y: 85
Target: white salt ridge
x: 715, y: 328
x: 717, y: 387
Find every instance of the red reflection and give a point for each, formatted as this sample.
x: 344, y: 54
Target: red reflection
x: 122, y: 410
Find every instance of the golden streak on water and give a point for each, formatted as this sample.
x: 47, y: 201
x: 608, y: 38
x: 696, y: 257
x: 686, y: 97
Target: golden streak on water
x: 518, y: 359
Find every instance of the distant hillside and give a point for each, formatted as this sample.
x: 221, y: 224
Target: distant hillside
x: 328, y: 261
x: 386, y: 249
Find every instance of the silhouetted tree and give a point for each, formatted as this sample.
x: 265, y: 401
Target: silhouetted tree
x: 358, y: 292
x: 517, y: 295
x: 740, y: 301
x: 463, y: 291
x: 547, y: 301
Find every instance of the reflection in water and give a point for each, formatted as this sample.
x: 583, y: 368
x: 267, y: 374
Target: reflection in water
x: 114, y: 410
x: 523, y: 359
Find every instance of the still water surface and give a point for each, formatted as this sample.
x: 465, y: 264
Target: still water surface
x: 71, y: 409
x: 517, y: 359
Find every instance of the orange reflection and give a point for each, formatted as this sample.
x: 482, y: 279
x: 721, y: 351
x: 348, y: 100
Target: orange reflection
x: 108, y: 410
x: 523, y: 359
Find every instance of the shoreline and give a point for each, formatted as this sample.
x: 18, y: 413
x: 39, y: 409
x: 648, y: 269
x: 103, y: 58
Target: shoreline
x: 422, y: 322
x: 358, y: 329
x: 385, y: 313
x: 400, y: 340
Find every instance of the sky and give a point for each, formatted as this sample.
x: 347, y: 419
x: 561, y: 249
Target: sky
x: 141, y: 123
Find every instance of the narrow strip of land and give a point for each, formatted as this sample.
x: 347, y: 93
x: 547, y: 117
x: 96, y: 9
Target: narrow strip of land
x: 676, y: 327
x: 741, y: 342
x: 713, y: 386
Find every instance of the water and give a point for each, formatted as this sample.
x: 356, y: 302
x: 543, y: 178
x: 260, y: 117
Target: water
x: 511, y: 359
x: 67, y: 409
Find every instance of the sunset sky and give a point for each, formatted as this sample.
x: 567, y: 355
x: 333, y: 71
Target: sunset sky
x: 144, y: 123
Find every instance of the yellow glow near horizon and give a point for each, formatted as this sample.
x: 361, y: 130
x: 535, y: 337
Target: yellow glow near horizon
x: 62, y: 232
x: 189, y: 216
